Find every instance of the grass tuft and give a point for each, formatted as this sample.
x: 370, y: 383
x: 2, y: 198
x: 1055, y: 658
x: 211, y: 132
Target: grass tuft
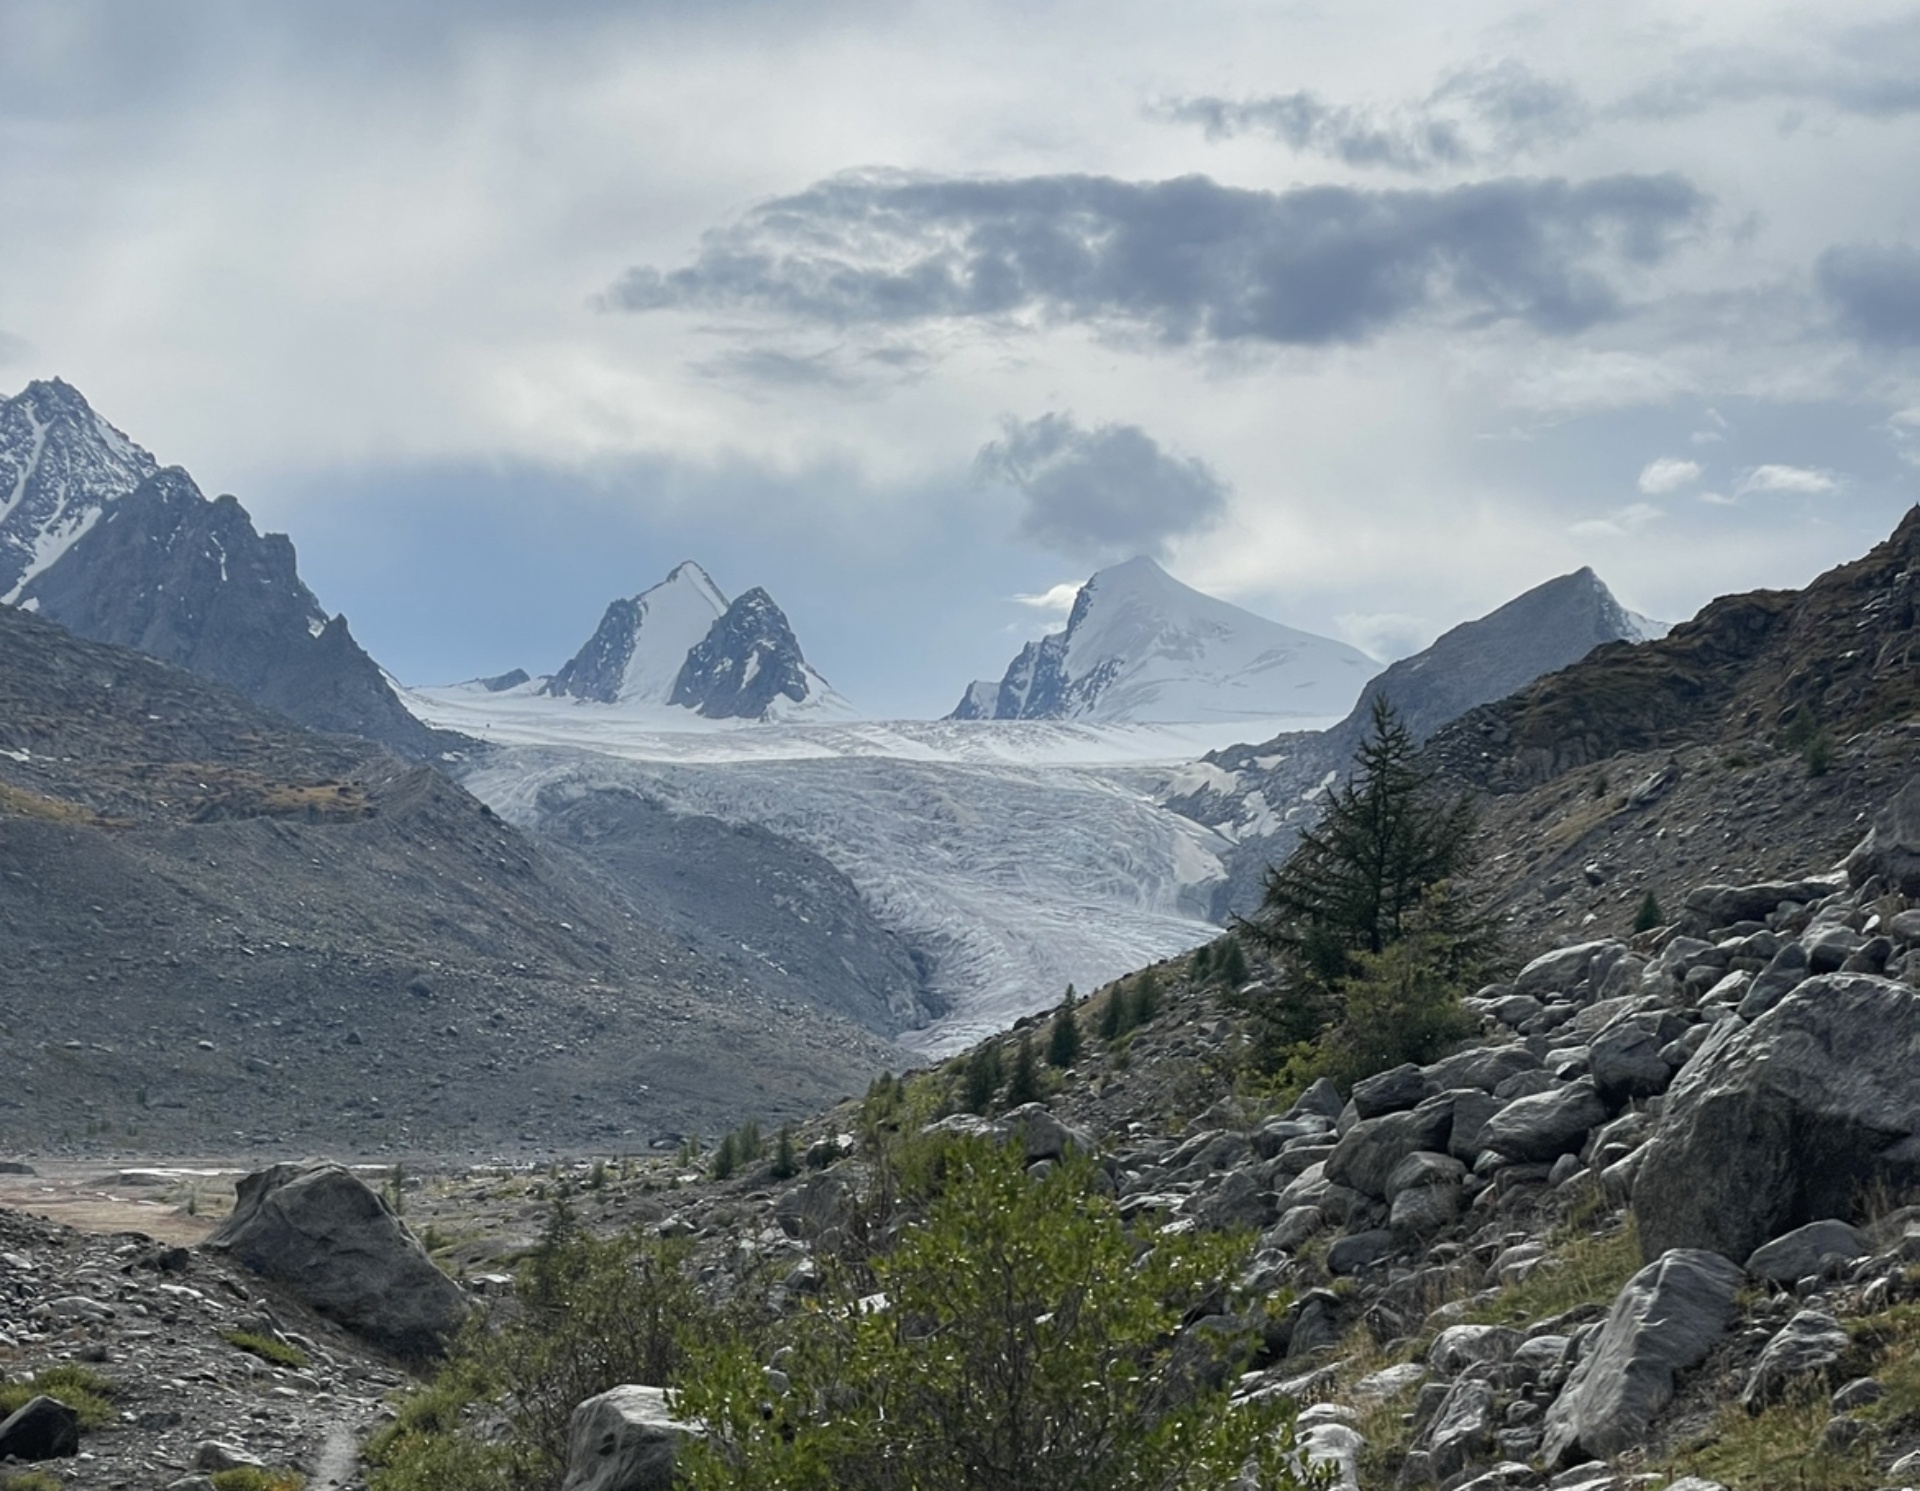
x: 82, y: 1389
x: 268, y: 1349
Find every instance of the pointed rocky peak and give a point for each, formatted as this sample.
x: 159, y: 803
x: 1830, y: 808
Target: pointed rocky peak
x: 61, y: 465
x: 1141, y: 646
x: 1539, y: 631
x: 746, y: 665
x: 636, y: 653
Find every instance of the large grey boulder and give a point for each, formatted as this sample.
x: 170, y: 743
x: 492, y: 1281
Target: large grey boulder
x: 1786, y: 972
x: 1484, y: 1067
x: 1666, y: 1319
x: 1393, y: 1091
x: 1891, y: 849
x: 1547, y: 1125
x: 1782, y: 1122
x: 1722, y: 905
x: 625, y: 1439
x: 1462, y: 1428
x: 1559, y: 971
x: 42, y: 1428
x: 1368, y: 1152
x: 317, y: 1230
x: 1625, y: 1059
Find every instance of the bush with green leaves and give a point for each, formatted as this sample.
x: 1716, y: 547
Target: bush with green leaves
x: 587, y: 1314
x: 1016, y: 1336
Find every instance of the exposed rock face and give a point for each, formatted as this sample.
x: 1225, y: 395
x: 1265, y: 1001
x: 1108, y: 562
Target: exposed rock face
x: 1783, y: 1121
x: 338, y: 1247
x: 42, y: 1428
x: 170, y: 574
x: 1669, y: 1316
x: 749, y: 660
x: 61, y: 465
x: 1808, y: 1345
x: 624, y: 1439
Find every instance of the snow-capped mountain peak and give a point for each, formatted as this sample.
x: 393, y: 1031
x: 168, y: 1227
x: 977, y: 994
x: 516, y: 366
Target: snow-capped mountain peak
x: 682, y: 643
x: 61, y: 464
x: 1141, y: 646
x: 636, y: 653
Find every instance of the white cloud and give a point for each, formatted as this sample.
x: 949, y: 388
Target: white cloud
x: 1713, y: 429
x: 1622, y: 522
x: 1387, y: 635
x: 1905, y: 429
x: 1668, y: 475
x: 1055, y: 598
x: 1718, y: 499
x: 1801, y: 481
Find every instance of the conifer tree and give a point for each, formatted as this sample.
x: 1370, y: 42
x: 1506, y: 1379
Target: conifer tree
x: 1063, y: 1041
x: 1024, y: 1085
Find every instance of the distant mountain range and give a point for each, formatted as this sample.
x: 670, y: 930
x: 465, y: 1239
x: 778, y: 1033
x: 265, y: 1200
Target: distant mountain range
x: 1140, y: 647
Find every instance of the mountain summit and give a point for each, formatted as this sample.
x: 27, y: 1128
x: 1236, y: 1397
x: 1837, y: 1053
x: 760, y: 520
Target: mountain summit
x: 1141, y: 647
x: 682, y: 643
x: 61, y: 465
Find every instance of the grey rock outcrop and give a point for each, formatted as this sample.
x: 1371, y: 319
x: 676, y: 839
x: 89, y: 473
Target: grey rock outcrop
x: 624, y: 1439
x: 745, y: 663
x: 1781, y: 1122
x: 1666, y: 1319
x: 42, y: 1428
x: 337, y: 1246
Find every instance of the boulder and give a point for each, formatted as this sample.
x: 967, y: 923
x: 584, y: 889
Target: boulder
x: 625, y: 1439
x: 1368, y: 1152
x: 1803, y: 1251
x: 1361, y: 1250
x: 1462, y: 1429
x: 1625, y: 1058
x: 1394, y: 1091
x: 1484, y: 1067
x: 1666, y: 1319
x: 335, y: 1245
x: 1891, y: 849
x: 1806, y: 1346
x: 1559, y: 971
x: 42, y: 1428
x: 1783, y: 974
x: 1783, y: 1122
x: 1471, y: 1111
x: 1547, y: 1125
x: 1719, y: 906
x: 1041, y: 1135
x: 1461, y: 1346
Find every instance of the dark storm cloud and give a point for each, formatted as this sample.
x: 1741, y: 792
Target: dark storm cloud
x: 1104, y: 493
x: 1479, y: 114
x: 1187, y: 259
x: 1874, y: 291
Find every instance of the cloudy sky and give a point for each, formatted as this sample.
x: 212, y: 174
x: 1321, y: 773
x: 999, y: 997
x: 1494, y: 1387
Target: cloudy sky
x: 1365, y: 315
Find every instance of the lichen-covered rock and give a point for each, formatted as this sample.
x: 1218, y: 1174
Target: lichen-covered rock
x: 624, y: 1439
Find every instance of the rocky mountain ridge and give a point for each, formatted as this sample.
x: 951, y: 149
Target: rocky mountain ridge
x: 1261, y: 794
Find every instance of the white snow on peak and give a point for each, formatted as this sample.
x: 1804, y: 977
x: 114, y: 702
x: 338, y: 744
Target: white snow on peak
x: 1645, y: 628
x: 1143, y: 647
x: 674, y: 618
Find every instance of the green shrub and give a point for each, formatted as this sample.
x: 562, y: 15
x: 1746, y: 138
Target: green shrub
x: 982, y: 1077
x: 1648, y: 916
x: 588, y: 1314
x: 1027, y: 1340
x: 1024, y: 1085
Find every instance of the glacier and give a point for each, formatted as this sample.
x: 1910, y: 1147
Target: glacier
x: 1016, y: 857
